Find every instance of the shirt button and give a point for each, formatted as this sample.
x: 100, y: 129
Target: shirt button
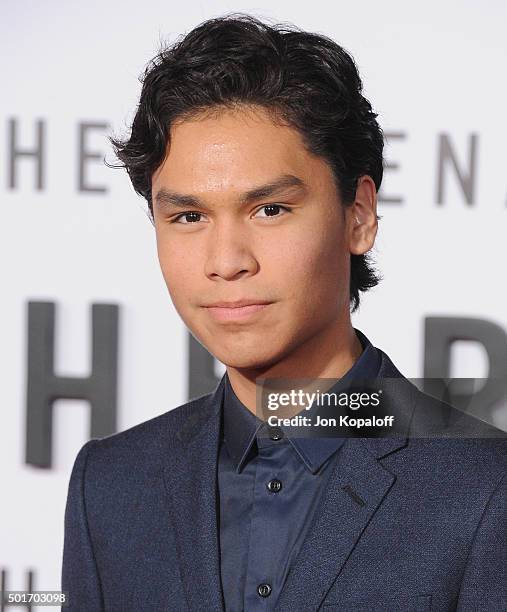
x: 274, y: 485
x: 275, y: 433
x: 264, y: 589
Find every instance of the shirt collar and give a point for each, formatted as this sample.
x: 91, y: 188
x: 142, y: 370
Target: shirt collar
x: 241, y: 427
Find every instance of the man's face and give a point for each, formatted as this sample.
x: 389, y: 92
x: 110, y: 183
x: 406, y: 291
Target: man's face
x: 285, y: 244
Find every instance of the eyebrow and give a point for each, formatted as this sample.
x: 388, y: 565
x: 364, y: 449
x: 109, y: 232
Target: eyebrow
x: 167, y: 198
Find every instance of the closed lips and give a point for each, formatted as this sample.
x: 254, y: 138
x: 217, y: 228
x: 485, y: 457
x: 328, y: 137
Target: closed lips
x: 237, y: 304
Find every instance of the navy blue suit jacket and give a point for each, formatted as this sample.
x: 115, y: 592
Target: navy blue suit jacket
x: 141, y: 521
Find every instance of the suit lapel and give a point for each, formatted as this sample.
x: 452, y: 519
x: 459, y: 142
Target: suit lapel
x: 354, y: 492
x: 356, y: 489
x: 190, y: 475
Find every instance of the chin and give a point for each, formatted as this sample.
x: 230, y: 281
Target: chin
x: 241, y: 359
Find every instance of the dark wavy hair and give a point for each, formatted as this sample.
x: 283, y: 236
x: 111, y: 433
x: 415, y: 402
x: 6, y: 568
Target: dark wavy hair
x: 305, y: 79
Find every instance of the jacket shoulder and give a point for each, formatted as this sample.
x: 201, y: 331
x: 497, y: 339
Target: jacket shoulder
x: 149, y: 440
x: 449, y: 440
x: 458, y: 444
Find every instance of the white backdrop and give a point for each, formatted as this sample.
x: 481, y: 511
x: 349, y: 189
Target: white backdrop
x: 428, y: 70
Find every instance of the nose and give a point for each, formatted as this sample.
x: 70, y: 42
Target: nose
x: 229, y: 255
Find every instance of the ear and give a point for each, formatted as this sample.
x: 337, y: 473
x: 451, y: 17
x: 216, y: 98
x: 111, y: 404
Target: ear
x: 362, y: 217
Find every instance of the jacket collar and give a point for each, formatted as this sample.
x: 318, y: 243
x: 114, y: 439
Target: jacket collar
x: 241, y: 427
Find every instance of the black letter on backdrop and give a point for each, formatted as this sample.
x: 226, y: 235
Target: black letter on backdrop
x: 467, y: 180
x: 37, y: 153
x: 201, y: 373
x: 440, y: 334
x: 44, y: 387
x: 84, y: 155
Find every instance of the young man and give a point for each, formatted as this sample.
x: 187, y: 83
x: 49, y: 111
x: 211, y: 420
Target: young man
x: 260, y: 161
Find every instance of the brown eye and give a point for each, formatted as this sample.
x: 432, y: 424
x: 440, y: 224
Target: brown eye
x: 272, y: 210
x: 190, y: 217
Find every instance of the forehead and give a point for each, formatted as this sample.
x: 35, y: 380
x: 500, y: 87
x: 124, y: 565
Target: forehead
x: 234, y: 149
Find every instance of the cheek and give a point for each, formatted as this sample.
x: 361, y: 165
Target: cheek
x: 177, y: 269
x: 318, y: 266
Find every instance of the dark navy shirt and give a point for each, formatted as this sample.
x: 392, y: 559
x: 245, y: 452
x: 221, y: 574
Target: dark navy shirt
x: 269, y: 487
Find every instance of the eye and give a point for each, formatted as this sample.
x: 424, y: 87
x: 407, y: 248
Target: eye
x: 189, y: 217
x: 272, y: 210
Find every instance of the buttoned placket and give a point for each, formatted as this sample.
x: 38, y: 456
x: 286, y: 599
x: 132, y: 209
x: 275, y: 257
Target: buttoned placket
x: 267, y: 509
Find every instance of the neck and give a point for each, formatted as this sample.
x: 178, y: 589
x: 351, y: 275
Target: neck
x: 328, y: 354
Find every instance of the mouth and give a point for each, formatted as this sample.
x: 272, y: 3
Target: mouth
x: 236, y: 311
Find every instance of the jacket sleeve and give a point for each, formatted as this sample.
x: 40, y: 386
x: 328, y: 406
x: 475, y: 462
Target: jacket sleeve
x: 484, y: 585
x: 80, y: 578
